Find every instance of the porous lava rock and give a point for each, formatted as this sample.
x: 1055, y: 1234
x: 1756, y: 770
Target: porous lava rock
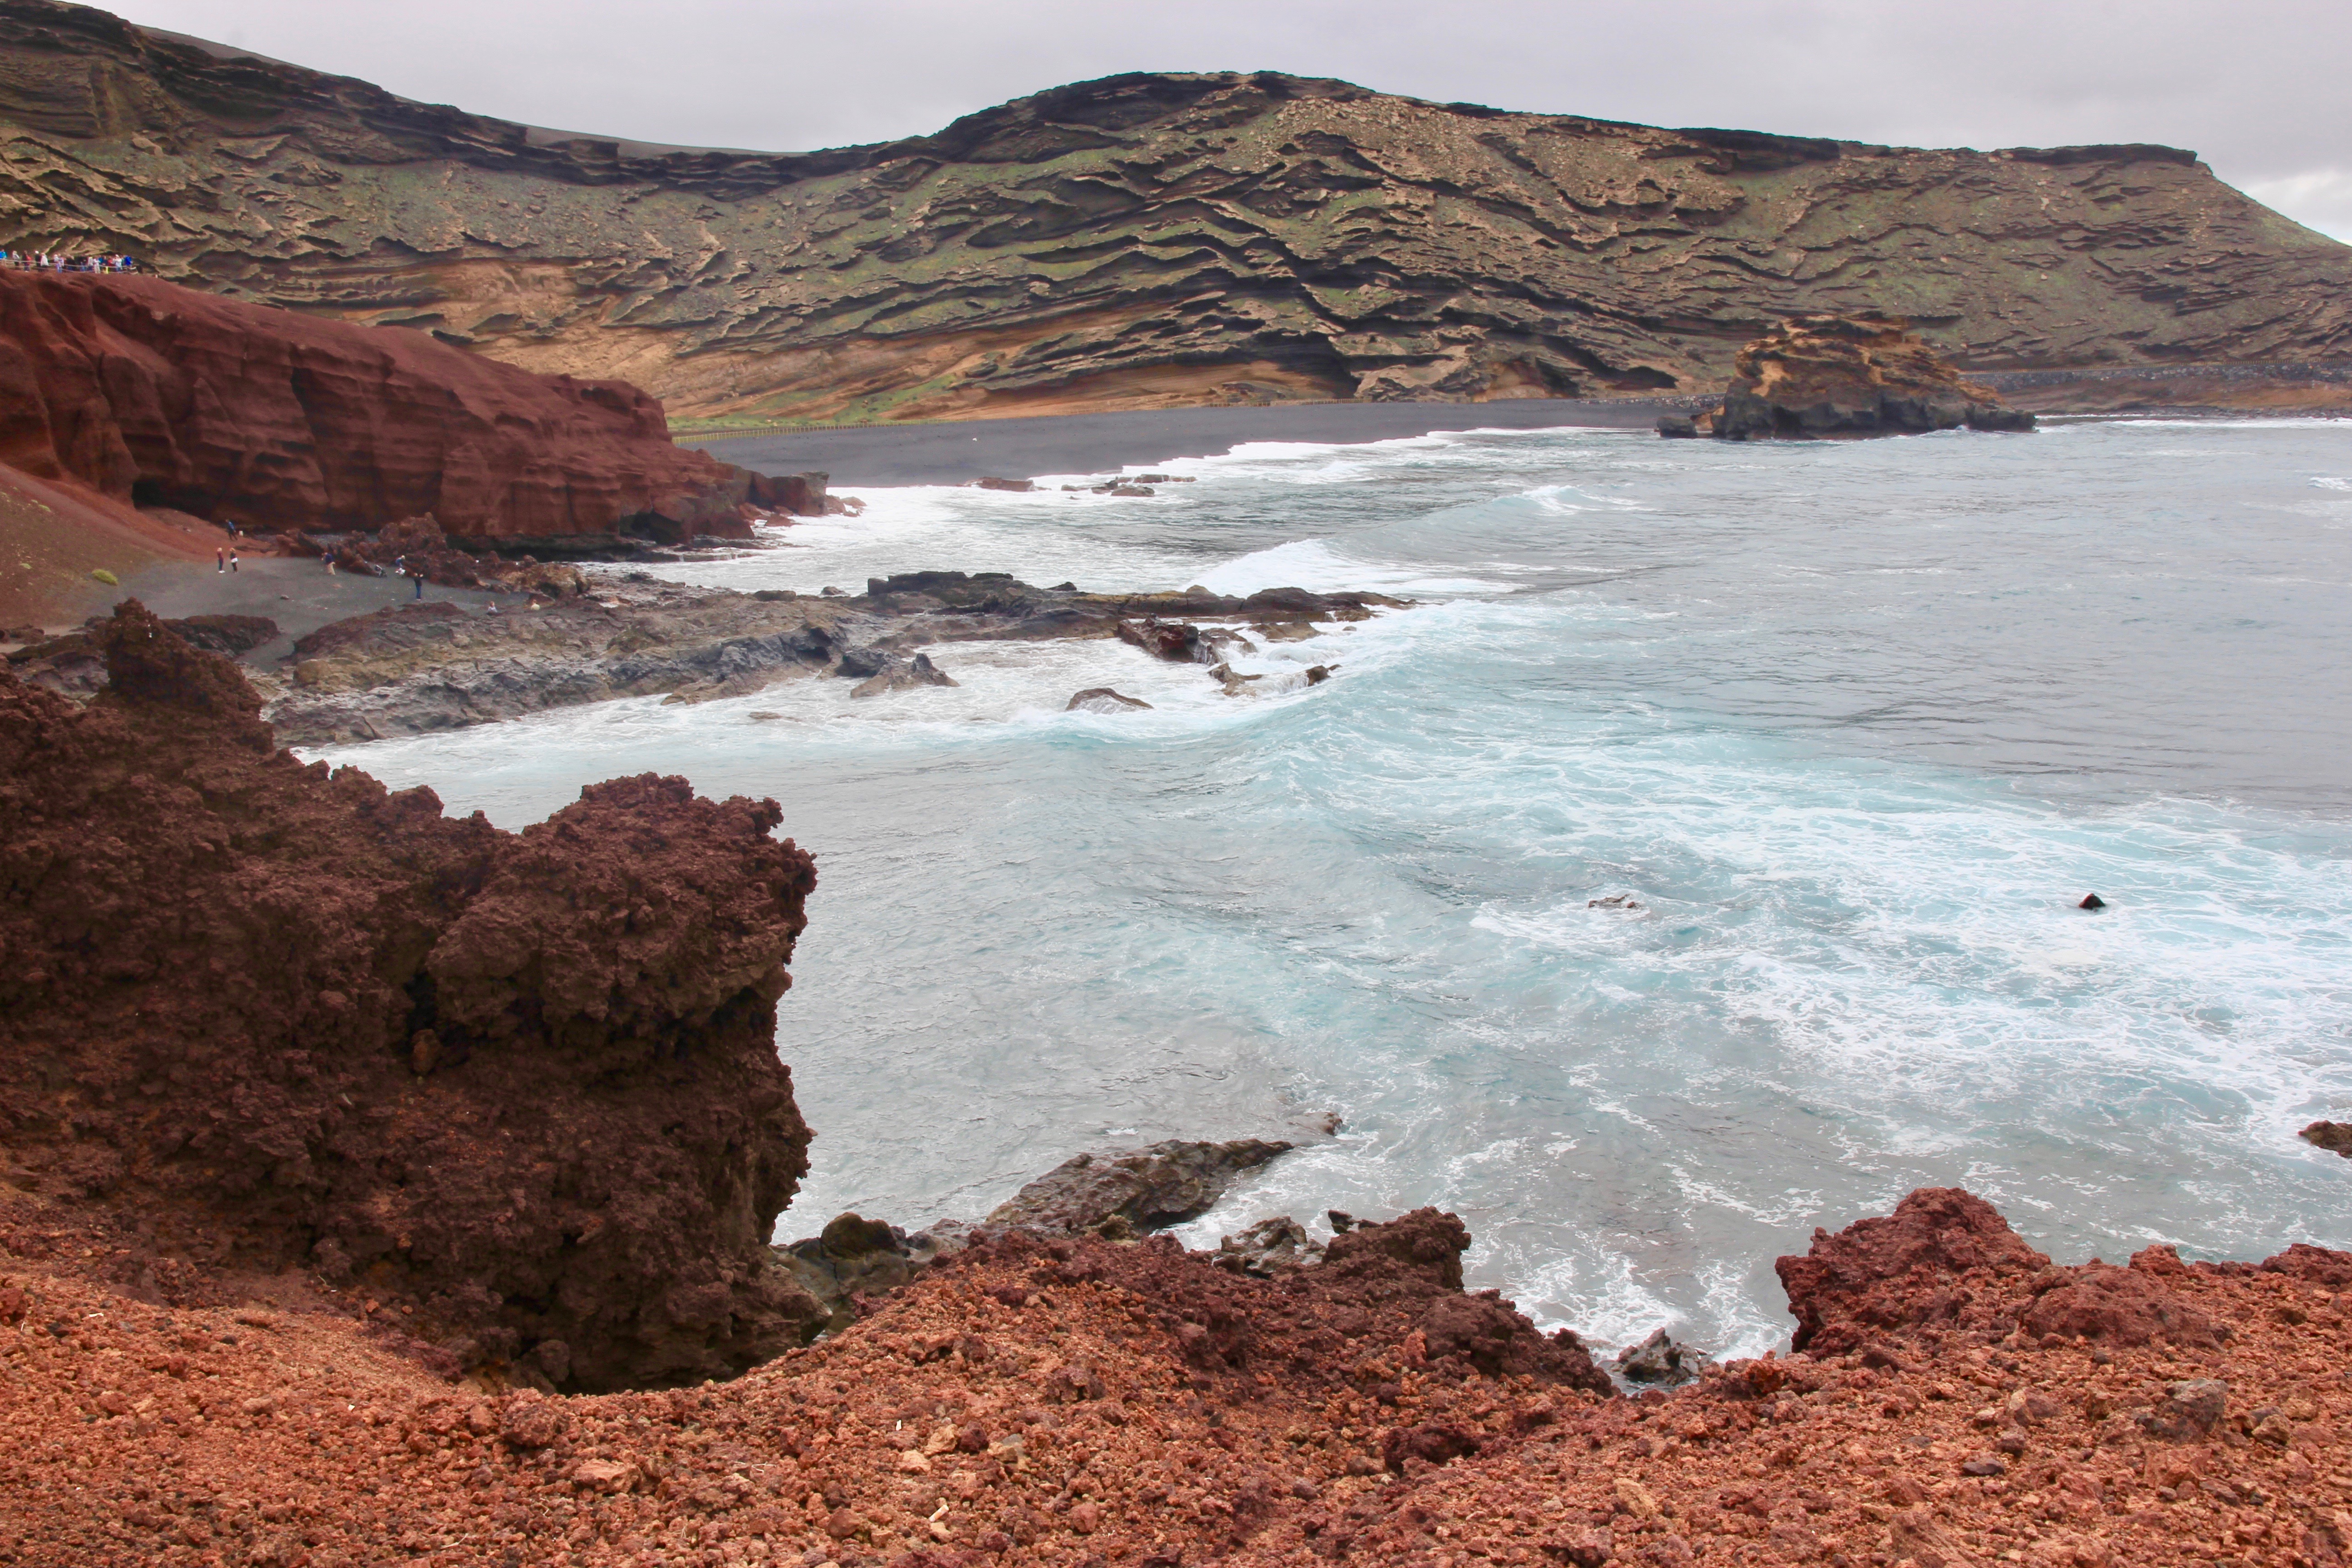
x: 148, y: 392
x: 1387, y: 1301
x: 1063, y: 1401
x: 1901, y: 1270
x: 1946, y: 1261
x: 1850, y: 375
x: 2120, y: 1305
x: 523, y: 1084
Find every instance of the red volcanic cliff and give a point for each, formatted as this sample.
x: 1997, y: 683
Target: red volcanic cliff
x: 524, y: 1083
x: 146, y: 391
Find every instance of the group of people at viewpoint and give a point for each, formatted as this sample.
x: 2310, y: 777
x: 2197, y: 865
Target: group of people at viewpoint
x: 58, y: 261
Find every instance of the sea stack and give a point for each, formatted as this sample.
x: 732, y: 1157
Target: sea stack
x: 1818, y: 376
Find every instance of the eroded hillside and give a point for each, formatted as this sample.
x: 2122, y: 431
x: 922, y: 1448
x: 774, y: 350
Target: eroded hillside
x: 1137, y: 241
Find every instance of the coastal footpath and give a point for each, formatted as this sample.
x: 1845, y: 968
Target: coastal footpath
x: 1153, y: 240
x: 374, y: 1182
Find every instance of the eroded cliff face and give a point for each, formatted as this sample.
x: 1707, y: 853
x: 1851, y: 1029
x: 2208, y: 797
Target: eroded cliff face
x: 1138, y: 241
x: 524, y: 1084
x: 151, y: 393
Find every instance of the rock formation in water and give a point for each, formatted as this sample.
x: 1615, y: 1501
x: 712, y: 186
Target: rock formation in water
x: 416, y: 668
x: 2336, y: 1135
x: 270, y: 419
x: 524, y: 1086
x: 1143, y: 240
x: 1846, y: 376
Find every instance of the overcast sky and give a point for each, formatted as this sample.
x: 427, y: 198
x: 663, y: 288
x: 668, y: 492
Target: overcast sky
x: 2257, y: 87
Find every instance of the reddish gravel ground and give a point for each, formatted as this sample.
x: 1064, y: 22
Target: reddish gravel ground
x: 1034, y: 1405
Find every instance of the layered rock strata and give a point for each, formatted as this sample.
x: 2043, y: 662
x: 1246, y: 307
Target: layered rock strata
x: 270, y: 419
x: 1845, y: 376
x: 522, y: 1086
x: 431, y: 667
x: 1143, y: 240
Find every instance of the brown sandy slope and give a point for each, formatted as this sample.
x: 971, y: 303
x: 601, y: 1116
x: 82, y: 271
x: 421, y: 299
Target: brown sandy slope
x: 1141, y: 241
x: 53, y: 535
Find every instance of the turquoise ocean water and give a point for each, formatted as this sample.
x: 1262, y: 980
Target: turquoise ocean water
x: 1856, y: 725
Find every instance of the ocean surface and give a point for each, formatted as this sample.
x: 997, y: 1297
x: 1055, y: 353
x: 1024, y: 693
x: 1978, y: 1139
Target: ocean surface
x: 1854, y: 725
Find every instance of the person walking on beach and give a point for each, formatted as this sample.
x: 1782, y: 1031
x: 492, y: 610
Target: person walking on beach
x: 232, y: 558
x: 220, y: 560
x: 330, y: 563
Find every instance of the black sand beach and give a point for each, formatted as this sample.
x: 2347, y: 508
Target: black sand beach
x: 295, y: 591
x: 957, y: 453
x: 301, y: 596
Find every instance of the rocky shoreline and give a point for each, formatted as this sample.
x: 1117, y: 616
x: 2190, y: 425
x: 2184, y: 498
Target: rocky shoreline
x: 432, y: 665
x: 376, y: 1182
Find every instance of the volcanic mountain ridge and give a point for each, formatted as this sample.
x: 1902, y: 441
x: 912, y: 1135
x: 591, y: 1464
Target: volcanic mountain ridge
x: 1144, y: 240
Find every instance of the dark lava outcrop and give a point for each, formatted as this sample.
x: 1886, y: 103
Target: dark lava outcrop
x: 1143, y: 240
x: 524, y: 1085
x: 1159, y: 1185
x: 270, y: 419
x: 419, y: 667
x: 1850, y: 376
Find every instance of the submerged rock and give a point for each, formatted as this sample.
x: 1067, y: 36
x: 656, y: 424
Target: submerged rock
x: 1103, y: 699
x: 1850, y: 375
x: 895, y: 672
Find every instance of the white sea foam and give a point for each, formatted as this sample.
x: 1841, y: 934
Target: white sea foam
x: 1855, y: 724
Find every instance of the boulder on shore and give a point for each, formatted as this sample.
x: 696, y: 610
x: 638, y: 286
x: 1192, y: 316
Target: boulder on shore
x: 1849, y: 376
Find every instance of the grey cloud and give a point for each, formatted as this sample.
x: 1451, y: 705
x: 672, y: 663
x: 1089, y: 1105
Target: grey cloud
x: 2254, y: 86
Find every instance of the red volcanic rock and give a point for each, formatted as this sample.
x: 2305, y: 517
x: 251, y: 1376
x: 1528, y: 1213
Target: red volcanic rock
x: 2319, y: 1265
x: 1388, y: 1302
x: 2119, y: 1306
x: 525, y: 1084
x: 1904, y: 1270
x: 271, y: 419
